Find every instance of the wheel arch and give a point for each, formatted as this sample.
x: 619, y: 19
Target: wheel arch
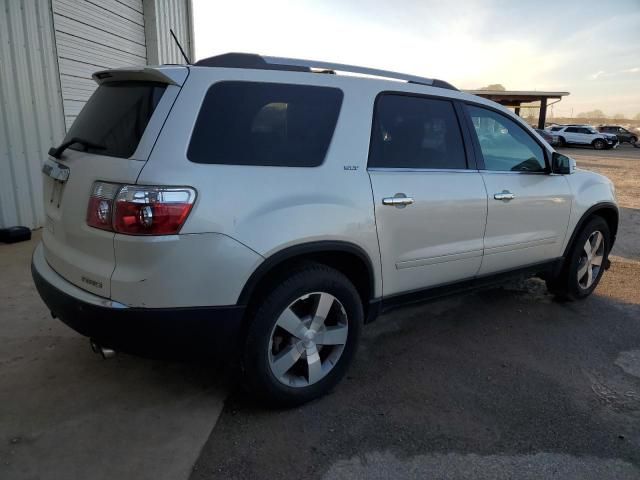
x: 348, y: 258
x: 606, y: 210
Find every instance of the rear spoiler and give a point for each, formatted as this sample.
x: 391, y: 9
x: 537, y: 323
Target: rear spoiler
x: 170, y: 75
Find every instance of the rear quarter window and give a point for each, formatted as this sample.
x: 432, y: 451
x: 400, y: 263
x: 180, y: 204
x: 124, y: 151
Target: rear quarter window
x: 265, y: 124
x: 116, y: 116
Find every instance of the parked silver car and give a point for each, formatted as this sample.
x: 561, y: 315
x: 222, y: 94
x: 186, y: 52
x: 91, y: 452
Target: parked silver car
x: 264, y: 210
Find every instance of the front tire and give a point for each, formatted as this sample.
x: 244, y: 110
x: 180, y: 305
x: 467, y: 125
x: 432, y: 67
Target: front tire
x: 633, y: 140
x: 561, y: 142
x: 303, y: 336
x: 584, y: 266
x: 599, y: 144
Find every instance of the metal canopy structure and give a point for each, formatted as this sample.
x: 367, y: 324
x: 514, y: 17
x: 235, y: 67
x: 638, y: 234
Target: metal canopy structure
x: 515, y: 98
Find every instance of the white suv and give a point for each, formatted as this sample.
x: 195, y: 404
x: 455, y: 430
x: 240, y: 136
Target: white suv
x: 583, y: 135
x: 265, y: 209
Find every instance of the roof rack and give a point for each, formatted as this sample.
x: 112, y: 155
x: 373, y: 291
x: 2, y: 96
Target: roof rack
x: 251, y: 60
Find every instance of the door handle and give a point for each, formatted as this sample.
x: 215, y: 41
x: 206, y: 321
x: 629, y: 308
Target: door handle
x: 399, y: 200
x: 504, y: 195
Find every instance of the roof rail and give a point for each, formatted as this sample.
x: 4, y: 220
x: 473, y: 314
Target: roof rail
x: 250, y: 60
x: 296, y: 62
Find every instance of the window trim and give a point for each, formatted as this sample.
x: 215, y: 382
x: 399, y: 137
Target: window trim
x: 262, y: 82
x: 469, y: 156
x: 478, y: 149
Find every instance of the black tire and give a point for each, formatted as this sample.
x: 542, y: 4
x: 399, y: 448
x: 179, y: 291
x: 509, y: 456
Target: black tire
x: 633, y: 140
x: 258, y: 355
x: 566, y: 284
x: 561, y: 142
x: 599, y: 144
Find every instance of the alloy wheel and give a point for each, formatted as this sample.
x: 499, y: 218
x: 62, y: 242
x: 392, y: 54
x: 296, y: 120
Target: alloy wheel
x: 590, y: 261
x: 308, y: 339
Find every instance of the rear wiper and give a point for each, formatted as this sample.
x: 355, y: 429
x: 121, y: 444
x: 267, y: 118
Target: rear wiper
x: 56, y: 152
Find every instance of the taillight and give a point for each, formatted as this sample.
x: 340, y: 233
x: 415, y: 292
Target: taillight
x: 100, y: 211
x: 140, y: 210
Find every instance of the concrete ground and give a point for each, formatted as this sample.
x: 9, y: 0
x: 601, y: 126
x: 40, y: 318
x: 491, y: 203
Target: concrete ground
x: 500, y: 384
x: 65, y: 413
x: 506, y: 383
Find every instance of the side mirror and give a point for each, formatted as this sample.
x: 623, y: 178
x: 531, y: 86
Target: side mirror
x: 561, y: 164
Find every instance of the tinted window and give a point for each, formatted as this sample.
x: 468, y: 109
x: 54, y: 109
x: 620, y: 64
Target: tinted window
x: 414, y: 132
x: 556, y: 129
x: 248, y: 123
x: 116, y: 116
x: 505, y: 145
x: 571, y: 130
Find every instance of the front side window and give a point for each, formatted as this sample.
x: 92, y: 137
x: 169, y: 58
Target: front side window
x: 265, y: 124
x: 572, y: 130
x: 115, y: 117
x: 505, y: 145
x: 416, y: 132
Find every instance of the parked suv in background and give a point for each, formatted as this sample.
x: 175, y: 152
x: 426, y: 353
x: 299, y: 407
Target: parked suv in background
x: 621, y: 133
x: 550, y: 138
x: 264, y: 210
x: 583, y: 135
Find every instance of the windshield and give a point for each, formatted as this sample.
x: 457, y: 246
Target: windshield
x: 115, y: 117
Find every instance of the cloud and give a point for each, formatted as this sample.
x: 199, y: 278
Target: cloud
x: 602, y: 73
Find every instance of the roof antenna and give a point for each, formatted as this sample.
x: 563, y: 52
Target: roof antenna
x: 180, y: 47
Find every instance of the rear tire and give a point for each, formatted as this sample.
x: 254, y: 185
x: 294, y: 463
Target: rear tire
x: 292, y: 355
x: 584, y: 266
x: 599, y: 144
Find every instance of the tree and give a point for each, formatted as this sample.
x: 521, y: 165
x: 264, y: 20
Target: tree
x: 494, y: 87
x: 592, y: 114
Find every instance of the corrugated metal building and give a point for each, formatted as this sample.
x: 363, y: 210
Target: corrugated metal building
x: 48, y: 51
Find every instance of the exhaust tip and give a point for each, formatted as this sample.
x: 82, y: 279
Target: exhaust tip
x: 105, y: 352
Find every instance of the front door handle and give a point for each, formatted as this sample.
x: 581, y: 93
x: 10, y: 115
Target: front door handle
x: 504, y: 195
x: 399, y: 200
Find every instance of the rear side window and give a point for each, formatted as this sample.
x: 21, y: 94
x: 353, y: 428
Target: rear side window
x: 416, y: 132
x: 267, y: 124
x: 115, y: 117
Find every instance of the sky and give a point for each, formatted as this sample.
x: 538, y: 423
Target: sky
x: 588, y: 48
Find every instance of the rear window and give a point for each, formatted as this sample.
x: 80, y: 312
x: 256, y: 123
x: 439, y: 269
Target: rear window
x: 116, y: 116
x: 266, y: 124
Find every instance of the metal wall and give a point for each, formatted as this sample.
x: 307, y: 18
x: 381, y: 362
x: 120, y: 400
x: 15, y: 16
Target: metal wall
x: 31, y: 116
x: 160, y: 16
x: 93, y: 36
x: 48, y: 51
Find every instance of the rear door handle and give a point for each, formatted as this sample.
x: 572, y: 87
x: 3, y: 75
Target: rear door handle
x: 504, y: 195
x: 400, y: 200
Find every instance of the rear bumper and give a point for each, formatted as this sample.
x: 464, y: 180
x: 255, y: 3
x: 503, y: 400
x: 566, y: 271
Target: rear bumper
x: 155, y: 332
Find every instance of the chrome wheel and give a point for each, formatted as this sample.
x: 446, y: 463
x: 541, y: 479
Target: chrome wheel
x: 590, y: 261
x: 308, y: 339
